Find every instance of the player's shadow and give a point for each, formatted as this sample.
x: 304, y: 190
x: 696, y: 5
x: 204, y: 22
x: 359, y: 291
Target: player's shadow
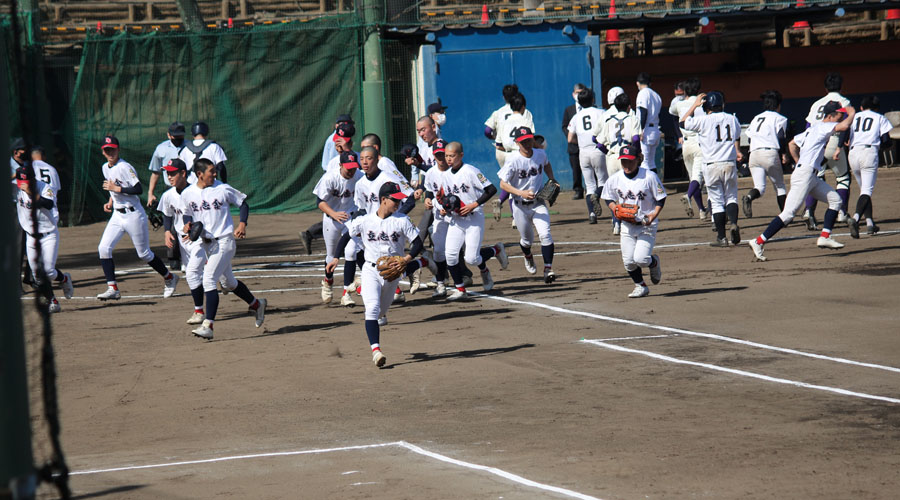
x: 698, y: 291
x: 841, y: 253
x: 290, y: 329
x: 419, y: 357
x: 465, y: 313
x: 114, y: 492
x: 116, y: 303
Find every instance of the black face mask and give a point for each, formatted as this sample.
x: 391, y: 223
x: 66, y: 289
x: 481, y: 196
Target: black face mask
x: 178, y: 141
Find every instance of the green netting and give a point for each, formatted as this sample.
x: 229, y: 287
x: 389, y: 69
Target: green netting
x: 269, y: 95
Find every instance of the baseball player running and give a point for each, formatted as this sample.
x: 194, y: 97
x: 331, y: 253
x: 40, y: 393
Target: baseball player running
x: 172, y: 207
x: 690, y: 149
x: 41, y: 236
x: 523, y: 176
x: 648, y: 104
x: 619, y: 129
x: 494, y: 124
x: 383, y: 232
x: 164, y: 152
x: 767, y: 145
x: 719, y: 134
x: 44, y: 171
x: 642, y: 188
x: 201, y: 147
x: 334, y: 197
x: 590, y: 159
x: 434, y: 184
x: 808, y: 150
x: 867, y: 135
x: 208, y: 202
x: 128, y: 216
x: 834, y: 152
x: 329, y: 152
x: 428, y: 132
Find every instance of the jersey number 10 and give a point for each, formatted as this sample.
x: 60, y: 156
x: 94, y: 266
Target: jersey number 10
x: 866, y: 124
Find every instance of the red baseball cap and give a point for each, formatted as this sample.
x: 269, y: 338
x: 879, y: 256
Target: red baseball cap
x: 349, y: 160
x: 391, y: 190
x: 174, y: 165
x: 439, y: 146
x: 110, y: 141
x: 22, y: 177
x: 628, y: 152
x: 522, y: 133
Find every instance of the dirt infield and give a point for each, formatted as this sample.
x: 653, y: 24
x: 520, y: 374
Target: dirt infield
x: 793, y: 391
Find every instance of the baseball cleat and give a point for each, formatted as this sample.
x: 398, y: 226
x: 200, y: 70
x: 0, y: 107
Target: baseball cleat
x: 842, y: 216
x: 382, y: 321
x: 196, y: 318
x: 747, y: 205
x: 53, y: 307
x: 487, y: 280
x: 260, y: 312
x: 399, y: 297
x: 829, y: 242
x: 415, y: 281
x: 467, y: 280
x: 686, y: 201
x: 719, y: 243
x: 357, y: 284
x: 806, y: 214
x: 513, y: 224
x: 529, y: 265
x: 811, y: 223
x: 639, y: 291
x: 617, y: 228
x: 347, y: 300
x: 853, y: 224
x: 872, y: 230
x: 592, y: 218
x: 378, y: 358
x: 204, y: 331
x: 598, y: 206
x: 110, y: 294
x: 440, y: 291
x: 306, y: 241
x: 457, y: 295
x: 704, y: 215
x: 757, y: 250
x: 67, y: 286
x: 656, y: 271
x: 497, y: 207
x: 171, y: 283
x: 549, y: 275
x: 502, y: 257
x: 327, y: 294
x: 735, y: 232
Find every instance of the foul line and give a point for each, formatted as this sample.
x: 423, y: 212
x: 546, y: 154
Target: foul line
x: 743, y: 373
x: 401, y: 444
x: 689, y: 332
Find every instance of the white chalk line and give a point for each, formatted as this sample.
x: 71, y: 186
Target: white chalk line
x: 401, y: 444
x: 637, y: 338
x: 743, y: 373
x: 159, y: 296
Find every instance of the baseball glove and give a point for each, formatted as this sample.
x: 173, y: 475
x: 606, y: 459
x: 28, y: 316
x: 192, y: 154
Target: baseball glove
x: 627, y: 212
x: 156, y: 218
x: 391, y: 267
x: 451, y: 203
x: 196, y: 231
x: 548, y: 193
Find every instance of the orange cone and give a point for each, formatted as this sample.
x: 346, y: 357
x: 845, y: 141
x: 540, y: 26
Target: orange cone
x: 893, y: 14
x: 801, y: 25
x: 484, y: 14
x: 612, y: 36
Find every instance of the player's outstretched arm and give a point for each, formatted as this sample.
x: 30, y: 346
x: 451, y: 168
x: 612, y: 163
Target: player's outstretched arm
x: 847, y: 121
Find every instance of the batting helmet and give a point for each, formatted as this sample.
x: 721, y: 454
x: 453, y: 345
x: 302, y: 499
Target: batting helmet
x: 200, y: 128
x: 714, y: 101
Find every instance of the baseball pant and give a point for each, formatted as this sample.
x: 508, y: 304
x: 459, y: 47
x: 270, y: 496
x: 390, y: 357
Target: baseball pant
x: 332, y: 231
x: 839, y: 167
x: 721, y: 184
x: 377, y: 294
x: 218, y: 263
x: 649, y: 143
x: 535, y: 213
x: 195, y: 251
x: 613, y: 164
x: 693, y: 159
x: 864, y: 165
x: 439, y: 229
x: 805, y: 181
x: 593, y: 169
x: 636, y: 241
x: 500, y: 155
x: 135, y: 224
x: 468, y: 231
x: 49, y: 249
x: 767, y: 163
x: 577, y: 173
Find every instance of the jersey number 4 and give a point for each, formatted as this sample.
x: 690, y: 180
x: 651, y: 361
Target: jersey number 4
x: 727, y: 133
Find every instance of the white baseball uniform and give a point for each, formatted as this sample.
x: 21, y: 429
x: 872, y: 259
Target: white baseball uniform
x: 366, y: 191
x: 648, y: 99
x: 328, y: 152
x: 213, y: 153
x: 128, y: 214
x: 468, y: 184
x: 528, y: 174
x: 839, y: 166
x: 513, y: 122
x: 496, y: 121
x: 805, y: 177
x: 414, y: 171
x: 211, y: 206
x: 48, y: 233
x: 718, y: 134
x: 690, y: 148
x: 865, y: 142
x: 765, y: 157
x: 616, y: 131
x: 591, y: 160
x: 644, y: 190
x: 435, y: 181
x: 337, y: 192
x: 380, y: 237
x: 171, y: 205
x: 47, y: 173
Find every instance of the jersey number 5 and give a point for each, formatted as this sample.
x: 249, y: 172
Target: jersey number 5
x: 45, y: 175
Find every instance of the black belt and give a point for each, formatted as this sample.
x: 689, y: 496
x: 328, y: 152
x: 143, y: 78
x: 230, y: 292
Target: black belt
x: 651, y: 124
x: 864, y: 146
x: 524, y: 203
x: 36, y: 235
x: 769, y: 149
x: 126, y: 209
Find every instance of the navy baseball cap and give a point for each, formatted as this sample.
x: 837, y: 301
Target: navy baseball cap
x: 439, y: 146
x: 629, y: 152
x: 17, y: 143
x: 174, y: 165
x: 436, y: 107
x: 344, y: 119
x: 176, y: 129
x: 409, y: 151
x: 344, y: 130
x: 110, y: 141
x: 832, y: 107
x: 391, y: 190
x: 522, y: 133
x: 349, y: 160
